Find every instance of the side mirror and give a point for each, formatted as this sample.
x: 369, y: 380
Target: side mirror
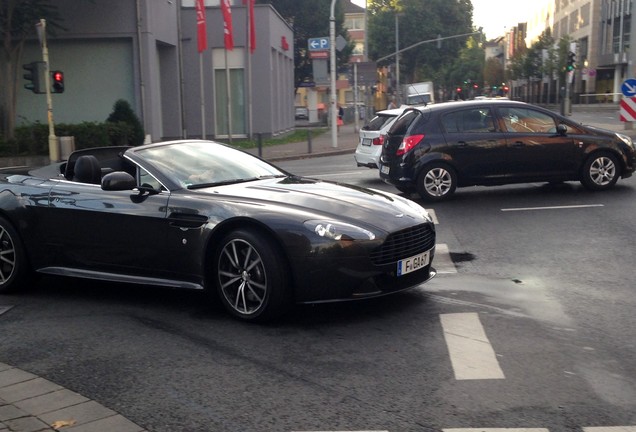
x: 118, y: 181
x: 562, y: 129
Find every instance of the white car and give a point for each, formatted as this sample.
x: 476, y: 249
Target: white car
x: 372, y: 136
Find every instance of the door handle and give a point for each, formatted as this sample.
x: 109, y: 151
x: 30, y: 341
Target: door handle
x: 518, y: 144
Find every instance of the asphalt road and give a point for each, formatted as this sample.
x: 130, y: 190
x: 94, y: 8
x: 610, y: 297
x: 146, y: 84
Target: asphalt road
x: 529, y: 325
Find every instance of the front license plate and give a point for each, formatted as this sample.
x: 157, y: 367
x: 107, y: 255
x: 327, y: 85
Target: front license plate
x: 413, y: 263
x: 385, y: 169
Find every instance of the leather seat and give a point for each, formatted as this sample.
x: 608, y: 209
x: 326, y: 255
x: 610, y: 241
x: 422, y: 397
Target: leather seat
x: 87, y: 170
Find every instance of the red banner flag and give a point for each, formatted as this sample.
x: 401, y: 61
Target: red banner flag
x: 227, y: 24
x: 252, y: 27
x: 202, y: 34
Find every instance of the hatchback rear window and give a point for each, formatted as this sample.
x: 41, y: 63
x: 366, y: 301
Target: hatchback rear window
x: 402, y: 124
x: 378, y: 122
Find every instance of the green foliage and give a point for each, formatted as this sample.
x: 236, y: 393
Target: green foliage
x: 17, y: 24
x: 542, y: 58
x: 420, y: 21
x: 123, y: 116
x: 33, y: 140
x: 311, y: 22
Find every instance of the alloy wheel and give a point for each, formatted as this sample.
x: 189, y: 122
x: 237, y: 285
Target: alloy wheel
x: 438, y: 182
x: 602, y: 171
x: 7, y: 256
x: 242, y: 277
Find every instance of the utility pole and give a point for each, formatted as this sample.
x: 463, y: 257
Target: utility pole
x: 54, y: 151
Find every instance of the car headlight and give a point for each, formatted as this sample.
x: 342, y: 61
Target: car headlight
x: 338, y: 230
x: 627, y: 140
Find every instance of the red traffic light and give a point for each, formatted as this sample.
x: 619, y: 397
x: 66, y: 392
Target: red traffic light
x: 57, y: 85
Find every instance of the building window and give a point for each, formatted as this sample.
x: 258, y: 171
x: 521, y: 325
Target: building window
x: 354, y: 23
x: 237, y: 97
x: 585, y: 15
x: 358, y: 48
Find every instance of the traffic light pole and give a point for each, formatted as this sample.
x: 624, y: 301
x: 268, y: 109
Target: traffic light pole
x: 54, y: 152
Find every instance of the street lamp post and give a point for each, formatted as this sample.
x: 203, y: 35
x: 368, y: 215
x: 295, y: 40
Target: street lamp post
x: 332, y: 49
x: 397, y: 59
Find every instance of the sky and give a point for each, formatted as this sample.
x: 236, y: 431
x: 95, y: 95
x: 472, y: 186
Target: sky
x: 493, y: 19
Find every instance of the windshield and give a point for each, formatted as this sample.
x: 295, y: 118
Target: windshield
x: 204, y: 163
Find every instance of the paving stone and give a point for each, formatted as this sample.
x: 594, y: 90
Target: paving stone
x: 28, y: 389
x: 13, y: 376
x: 114, y: 423
x: 9, y: 412
x: 50, y: 402
x: 83, y: 413
x: 28, y: 424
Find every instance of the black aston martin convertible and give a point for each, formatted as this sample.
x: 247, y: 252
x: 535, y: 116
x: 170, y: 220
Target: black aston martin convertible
x: 203, y: 215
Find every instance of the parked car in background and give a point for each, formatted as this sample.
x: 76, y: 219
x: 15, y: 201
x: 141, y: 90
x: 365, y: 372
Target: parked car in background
x: 435, y: 149
x: 302, y: 113
x: 371, y: 137
x: 202, y: 215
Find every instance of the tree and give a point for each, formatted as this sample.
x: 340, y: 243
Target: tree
x: 311, y: 22
x: 419, y: 21
x: 123, y: 113
x: 17, y: 24
x: 467, y: 69
x: 493, y: 72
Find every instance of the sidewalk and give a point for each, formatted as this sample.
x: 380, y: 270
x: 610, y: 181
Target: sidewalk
x: 320, y: 145
x: 29, y: 403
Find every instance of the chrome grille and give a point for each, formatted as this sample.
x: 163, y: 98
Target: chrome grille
x: 404, y: 244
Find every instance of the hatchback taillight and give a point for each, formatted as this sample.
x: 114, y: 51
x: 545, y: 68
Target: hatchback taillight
x: 379, y: 140
x: 408, y: 143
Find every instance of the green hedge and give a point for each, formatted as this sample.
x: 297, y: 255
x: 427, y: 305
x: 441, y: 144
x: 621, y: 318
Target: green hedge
x: 33, y: 140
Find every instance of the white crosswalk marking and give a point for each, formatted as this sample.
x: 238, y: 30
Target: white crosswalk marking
x: 470, y: 351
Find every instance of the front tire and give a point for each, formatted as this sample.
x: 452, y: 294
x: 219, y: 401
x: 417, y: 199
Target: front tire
x: 251, y: 276
x: 600, y: 172
x: 436, y: 182
x: 13, y: 265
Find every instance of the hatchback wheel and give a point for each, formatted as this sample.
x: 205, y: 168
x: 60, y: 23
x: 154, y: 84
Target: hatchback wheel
x: 436, y: 182
x: 252, y: 279
x: 600, y: 172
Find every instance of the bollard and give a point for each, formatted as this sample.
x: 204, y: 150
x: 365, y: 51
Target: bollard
x: 259, y: 139
x: 308, y: 140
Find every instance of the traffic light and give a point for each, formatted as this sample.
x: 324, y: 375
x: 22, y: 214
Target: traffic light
x: 571, y: 61
x: 57, y: 81
x: 35, y: 73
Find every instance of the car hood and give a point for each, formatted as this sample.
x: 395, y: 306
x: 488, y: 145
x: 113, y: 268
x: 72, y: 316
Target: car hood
x: 327, y: 199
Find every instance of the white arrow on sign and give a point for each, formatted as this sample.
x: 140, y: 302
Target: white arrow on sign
x: 319, y: 43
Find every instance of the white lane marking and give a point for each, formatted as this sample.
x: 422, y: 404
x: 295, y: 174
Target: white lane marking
x: 442, y: 261
x: 471, y: 354
x: 610, y: 429
x: 496, y: 430
x: 340, y: 174
x: 4, y: 309
x: 552, y: 208
x: 433, y: 216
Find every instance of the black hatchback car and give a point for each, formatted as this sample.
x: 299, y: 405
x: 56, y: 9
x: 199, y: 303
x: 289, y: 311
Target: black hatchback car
x: 437, y: 148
